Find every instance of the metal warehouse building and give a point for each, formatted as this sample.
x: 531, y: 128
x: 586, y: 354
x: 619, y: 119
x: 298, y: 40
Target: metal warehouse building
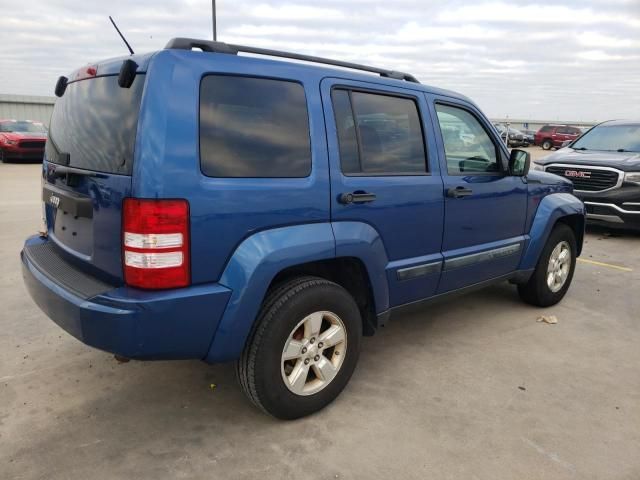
x: 26, y: 107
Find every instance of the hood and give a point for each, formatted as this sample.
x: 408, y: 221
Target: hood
x: 23, y: 135
x: 625, y: 161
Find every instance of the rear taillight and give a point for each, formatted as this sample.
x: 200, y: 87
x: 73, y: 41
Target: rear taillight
x: 155, y: 243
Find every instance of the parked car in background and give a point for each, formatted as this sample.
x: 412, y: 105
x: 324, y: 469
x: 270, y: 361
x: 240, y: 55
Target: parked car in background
x: 553, y: 136
x: 529, y: 135
x: 521, y: 136
x: 516, y: 137
x: 275, y: 212
x: 604, y: 166
x: 22, y: 140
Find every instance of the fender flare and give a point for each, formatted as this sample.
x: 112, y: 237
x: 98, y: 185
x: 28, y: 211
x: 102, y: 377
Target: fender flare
x: 552, y: 208
x: 260, y: 257
x: 360, y: 240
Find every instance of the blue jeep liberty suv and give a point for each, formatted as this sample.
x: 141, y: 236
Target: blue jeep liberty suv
x: 200, y: 204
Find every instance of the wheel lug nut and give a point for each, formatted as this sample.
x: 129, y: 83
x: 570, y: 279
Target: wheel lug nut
x: 320, y: 345
x: 304, y: 349
x: 306, y: 361
x: 316, y: 358
x: 313, y: 339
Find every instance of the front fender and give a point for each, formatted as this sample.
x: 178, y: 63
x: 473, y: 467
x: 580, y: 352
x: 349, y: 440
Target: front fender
x: 551, y: 209
x: 250, y: 270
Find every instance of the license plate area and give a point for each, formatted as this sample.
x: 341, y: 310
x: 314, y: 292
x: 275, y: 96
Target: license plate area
x: 71, y: 216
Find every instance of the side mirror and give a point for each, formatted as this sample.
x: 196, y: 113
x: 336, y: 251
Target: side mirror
x: 519, y: 163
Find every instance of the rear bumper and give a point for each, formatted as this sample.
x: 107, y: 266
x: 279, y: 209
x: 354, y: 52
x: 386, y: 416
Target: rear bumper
x: 170, y: 324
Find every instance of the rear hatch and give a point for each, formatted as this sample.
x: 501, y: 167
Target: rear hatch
x: 89, y: 158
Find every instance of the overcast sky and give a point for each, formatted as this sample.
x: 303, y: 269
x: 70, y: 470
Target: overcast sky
x: 571, y: 60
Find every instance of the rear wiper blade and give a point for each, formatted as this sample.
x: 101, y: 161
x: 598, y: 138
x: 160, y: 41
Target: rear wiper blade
x: 62, y: 158
x: 63, y: 171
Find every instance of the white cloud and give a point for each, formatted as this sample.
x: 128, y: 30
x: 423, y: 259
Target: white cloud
x: 598, y: 55
x: 595, y: 39
x: 518, y: 58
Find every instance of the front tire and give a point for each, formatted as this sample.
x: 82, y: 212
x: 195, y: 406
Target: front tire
x: 553, y: 274
x: 303, y: 349
x: 547, y: 145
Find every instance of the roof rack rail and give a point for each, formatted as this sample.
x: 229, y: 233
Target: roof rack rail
x: 221, y: 47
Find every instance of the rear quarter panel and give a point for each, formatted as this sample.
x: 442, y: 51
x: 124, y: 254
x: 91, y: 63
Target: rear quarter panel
x: 224, y: 211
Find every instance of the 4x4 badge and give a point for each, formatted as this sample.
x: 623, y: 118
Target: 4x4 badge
x: 55, y: 201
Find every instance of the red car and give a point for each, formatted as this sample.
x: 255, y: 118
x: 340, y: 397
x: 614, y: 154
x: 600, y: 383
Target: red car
x: 22, y: 140
x: 551, y: 136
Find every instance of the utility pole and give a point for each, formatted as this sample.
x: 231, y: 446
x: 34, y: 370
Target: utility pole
x: 213, y: 16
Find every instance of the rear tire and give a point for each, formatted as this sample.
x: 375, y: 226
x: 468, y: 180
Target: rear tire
x: 553, y: 274
x: 285, y: 369
x: 2, y: 156
x: 547, y: 144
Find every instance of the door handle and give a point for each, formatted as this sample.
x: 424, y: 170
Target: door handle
x: 356, y: 197
x: 459, y: 192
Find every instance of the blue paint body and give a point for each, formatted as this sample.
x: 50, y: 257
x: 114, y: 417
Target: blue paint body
x: 244, y: 232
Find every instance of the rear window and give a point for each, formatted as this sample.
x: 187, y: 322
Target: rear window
x: 95, y: 122
x: 253, y: 127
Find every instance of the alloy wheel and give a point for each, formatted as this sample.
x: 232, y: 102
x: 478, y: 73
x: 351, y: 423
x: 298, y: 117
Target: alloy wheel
x: 313, y: 353
x: 559, y: 266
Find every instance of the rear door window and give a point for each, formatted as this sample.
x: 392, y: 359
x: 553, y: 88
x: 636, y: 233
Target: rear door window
x: 378, y: 134
x: 93, y: 125
x: 253, y: 127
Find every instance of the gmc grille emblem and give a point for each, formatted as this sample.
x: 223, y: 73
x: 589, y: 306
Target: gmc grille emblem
x: 577, y: 174
x: 55, y: 201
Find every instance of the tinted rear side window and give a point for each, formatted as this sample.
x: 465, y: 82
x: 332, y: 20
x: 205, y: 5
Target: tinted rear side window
x: 546, y: 129
x: 386, y: 137
x: 253, y: 127
x: 95, y: 122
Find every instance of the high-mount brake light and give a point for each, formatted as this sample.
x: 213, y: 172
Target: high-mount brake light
x: 155, y: 243
x: 86, y: 72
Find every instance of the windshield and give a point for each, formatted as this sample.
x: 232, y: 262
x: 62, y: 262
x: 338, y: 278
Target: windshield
x: 94, y: 125
x: 623, y: 138
x: 22, y: 127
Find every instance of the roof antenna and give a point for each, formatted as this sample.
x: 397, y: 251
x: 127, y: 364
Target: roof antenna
x: 121, y: 36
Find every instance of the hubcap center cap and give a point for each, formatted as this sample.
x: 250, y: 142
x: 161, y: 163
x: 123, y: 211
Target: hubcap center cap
x: 312, y: 350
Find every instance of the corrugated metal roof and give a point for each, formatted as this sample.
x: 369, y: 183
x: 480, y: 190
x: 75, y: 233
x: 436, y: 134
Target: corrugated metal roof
x: 26, y: 107
x: 6, y: 98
